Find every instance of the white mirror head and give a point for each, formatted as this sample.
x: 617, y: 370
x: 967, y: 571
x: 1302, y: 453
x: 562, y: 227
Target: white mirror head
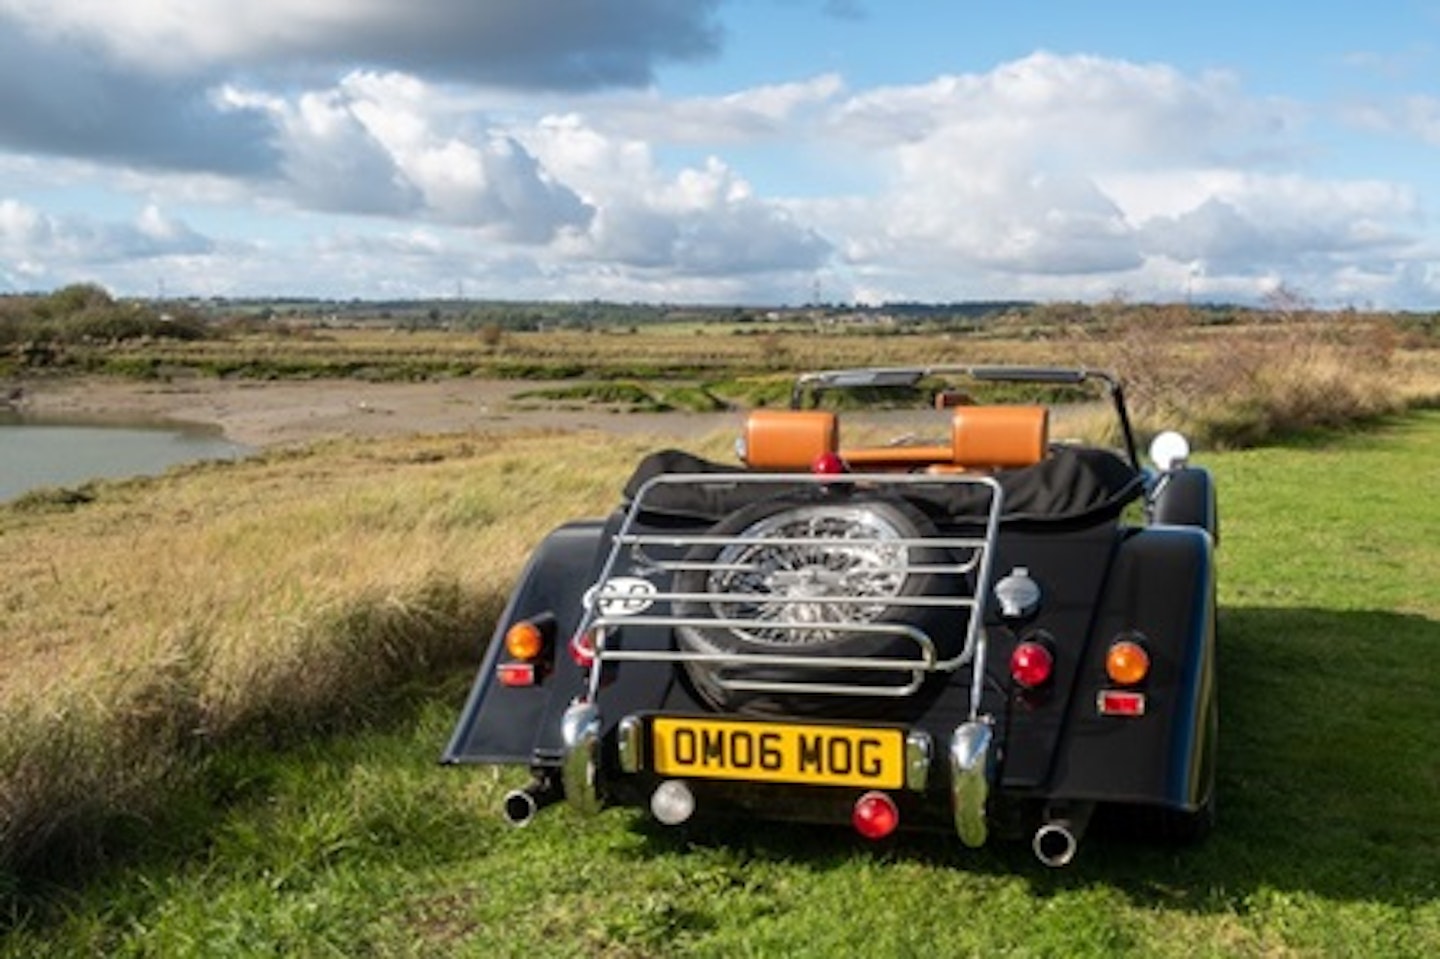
x: 1169, y: 450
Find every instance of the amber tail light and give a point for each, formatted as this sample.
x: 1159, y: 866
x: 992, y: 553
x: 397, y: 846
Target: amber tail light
x: 528, y: 645
x: 525, y: 640
x: 1127, y: 663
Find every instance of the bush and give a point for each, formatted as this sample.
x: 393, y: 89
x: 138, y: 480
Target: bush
x: 1243, y: 386
x: 86, y: 313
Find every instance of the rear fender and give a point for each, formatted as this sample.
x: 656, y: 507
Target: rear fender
x: 520, y: 724
x: 1162, y: 587
x: 1186, y: 497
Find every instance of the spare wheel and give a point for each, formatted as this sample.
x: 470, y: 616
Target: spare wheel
x: 794, y: 574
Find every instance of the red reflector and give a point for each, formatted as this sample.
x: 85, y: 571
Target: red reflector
x: 827, y: 464
x: 582, y: 649
x: 516, y: 674
x: 1031, y: 664
x: 876, y: 815
x: 1119, y: 702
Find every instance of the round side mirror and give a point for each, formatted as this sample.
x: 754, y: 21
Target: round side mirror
x: 1169, y: 450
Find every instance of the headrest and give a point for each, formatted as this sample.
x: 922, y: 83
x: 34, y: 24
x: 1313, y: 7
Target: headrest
x: 999, y: 437
x: 789, y: 440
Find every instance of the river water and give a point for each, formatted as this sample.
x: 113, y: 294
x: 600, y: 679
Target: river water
x: 37, y: 452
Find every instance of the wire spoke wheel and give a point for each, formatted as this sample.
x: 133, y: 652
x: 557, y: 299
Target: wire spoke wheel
x: 807, y: 586
x: 838, y: 578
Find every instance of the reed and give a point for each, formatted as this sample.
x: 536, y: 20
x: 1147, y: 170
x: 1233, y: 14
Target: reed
x: 273, y: 598
x: 1244, y: 386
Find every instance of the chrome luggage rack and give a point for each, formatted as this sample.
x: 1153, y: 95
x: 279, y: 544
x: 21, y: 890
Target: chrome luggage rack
x: 789, y: 621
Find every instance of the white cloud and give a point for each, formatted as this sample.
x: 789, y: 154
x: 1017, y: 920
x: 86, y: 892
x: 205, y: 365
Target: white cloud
x: 1085, y: 174
x: 39, y: 249
x: 372, y: 144
x: 334, y: 163
x: 1416, y: 116
x: 1064, y: 109
x: 765, y: 113
x: 701, y: 220
x: 1045, y: 176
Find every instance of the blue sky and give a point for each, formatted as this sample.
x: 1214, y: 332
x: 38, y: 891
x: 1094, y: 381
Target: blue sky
x: 724, y: 151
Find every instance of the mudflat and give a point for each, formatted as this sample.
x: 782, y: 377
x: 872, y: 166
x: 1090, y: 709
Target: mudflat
x: 280, y: 412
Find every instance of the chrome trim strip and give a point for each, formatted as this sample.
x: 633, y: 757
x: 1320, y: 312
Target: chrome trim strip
x: 823, y: 689
x: 928, y: 602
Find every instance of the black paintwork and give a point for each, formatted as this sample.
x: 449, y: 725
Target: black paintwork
x: 1101, y: 576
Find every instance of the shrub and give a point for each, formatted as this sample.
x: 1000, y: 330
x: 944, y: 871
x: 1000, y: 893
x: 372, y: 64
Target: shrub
x: 1237, y: 386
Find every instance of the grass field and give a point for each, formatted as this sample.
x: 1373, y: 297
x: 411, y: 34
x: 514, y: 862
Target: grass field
x: 262, y: 827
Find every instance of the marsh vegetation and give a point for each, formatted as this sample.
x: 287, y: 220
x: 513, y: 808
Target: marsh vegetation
x: 224, y: 689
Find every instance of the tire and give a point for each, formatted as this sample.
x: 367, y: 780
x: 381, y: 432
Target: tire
x: 1176, y: 828
x: 871, y: 573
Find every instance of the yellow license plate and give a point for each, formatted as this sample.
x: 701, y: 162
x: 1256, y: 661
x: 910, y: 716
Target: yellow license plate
x: 778, y: 752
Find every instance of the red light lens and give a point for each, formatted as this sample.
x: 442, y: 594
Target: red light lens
x: 827, y: 464
x: 582, y: 649
x: 1031, y: 664
x: 876, y: 815
x: 516, y: 674
x: 1118, y: 702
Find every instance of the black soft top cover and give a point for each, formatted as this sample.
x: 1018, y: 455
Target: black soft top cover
x: 1074, y: 484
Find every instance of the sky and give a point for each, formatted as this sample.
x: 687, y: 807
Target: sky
x: 758, y: 152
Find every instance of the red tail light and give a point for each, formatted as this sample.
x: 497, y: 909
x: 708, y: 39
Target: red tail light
x: 876, y: 815
x: 1032, y: 664
x: 828, y: 464
x: 582, y: 649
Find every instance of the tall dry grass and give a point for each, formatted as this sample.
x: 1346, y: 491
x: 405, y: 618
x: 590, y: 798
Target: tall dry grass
x: 1236, y: 386
x: 274, y: 598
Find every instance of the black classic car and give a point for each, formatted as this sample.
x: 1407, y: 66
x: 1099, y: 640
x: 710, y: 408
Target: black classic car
x: 993, y: 632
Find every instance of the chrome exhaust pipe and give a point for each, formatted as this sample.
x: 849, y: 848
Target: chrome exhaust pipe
x: 1058, y: 839
x: 521, y: 805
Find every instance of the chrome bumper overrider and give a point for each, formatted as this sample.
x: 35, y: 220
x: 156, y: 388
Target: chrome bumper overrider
x: 970, y: 779
x: 580, y: 729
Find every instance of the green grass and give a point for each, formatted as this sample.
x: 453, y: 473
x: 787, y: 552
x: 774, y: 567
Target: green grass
x: 357, y: 844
